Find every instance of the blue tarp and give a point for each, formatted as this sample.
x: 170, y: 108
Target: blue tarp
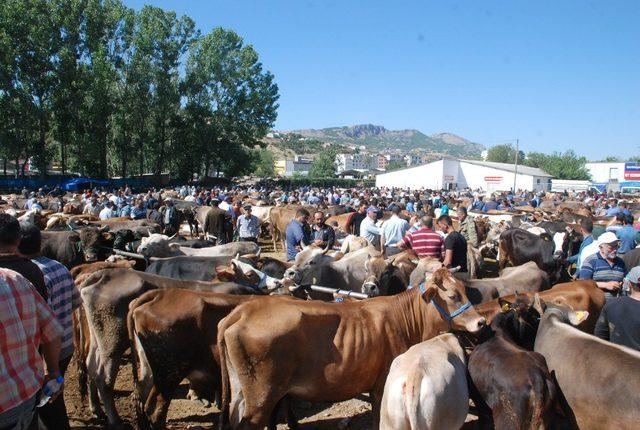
x: 76, y: 183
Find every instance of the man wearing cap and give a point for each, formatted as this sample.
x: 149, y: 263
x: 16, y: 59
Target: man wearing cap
x: 216, y: 221
x: 247, y: 226
x: 605, y: 267
x: 368, y: 228
x: 619, y: 321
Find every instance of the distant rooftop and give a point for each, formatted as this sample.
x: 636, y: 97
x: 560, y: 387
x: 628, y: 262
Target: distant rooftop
x: 525, y: 170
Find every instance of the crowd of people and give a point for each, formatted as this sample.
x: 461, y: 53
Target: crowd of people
x: 37, y: 294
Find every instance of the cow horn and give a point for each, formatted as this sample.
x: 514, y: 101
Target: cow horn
x: 454, y: 269
x: 326, y: 249
x: 149, y: 231
x: 173, y: 237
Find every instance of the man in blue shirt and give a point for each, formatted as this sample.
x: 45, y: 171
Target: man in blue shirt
x: 605, y: 267
x: 393, y: 230
x: 490, y: 205
x: 586, y: 226
x: 627, y: 235
x: 297, y: 234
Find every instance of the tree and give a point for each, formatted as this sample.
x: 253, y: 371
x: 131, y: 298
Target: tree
x: 504, y: 154
x: 396, y: 165
x: 565, y: 165
x: 324, y: 164
x: 264, y: 164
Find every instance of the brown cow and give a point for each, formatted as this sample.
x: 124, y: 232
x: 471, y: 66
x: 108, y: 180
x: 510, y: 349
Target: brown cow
x: 266, y: 352
x: 82, y: 272
x: 279, y: 219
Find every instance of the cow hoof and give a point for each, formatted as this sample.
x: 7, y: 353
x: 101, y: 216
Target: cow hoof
x: 344, y: 423
x: 206, y: 403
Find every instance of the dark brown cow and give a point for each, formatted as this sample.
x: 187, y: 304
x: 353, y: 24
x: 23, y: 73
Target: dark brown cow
x: 581, y: 295
x: 267, y: 352
x: 173, y: 336
x: 512, y: 386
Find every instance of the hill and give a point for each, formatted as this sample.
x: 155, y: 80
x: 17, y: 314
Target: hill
x: 378, y: 138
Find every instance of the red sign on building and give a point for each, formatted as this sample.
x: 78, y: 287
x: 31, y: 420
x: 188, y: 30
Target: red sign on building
x: 493, y: 178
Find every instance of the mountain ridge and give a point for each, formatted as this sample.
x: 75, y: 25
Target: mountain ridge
x: 379, y: 138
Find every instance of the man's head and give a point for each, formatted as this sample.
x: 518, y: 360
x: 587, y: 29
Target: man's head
x: 372, y: 212
x: 587, y: 226
x: 9, y: 233
x: 247, y: 210
x: 620, y: 218
x: 445, y: 223
x: 302, y: 215
x: 318, y: 218
x: 395, y: 209
x: 31, y: 240
x: 608, y: 244
x: 461, y: 212
x: 634, y: 279
x: 362, y: 207
x: 426, y: 221
x: 628, y: 220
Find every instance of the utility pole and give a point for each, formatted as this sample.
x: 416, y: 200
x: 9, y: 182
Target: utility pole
x: 515, y: 174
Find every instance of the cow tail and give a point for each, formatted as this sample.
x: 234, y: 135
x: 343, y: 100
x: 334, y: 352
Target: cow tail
x: 80, y: 356
x: 141, y: 417
x: 412, y: 399
x: 224, y: 371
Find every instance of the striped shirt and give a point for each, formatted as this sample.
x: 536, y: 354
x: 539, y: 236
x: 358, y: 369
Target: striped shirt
x: 26, y: 322
x: 63, y: 299
x: 426, y: 243
x: 596, y: 267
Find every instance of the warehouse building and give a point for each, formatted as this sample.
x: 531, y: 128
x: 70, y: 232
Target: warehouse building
x: 458, y: 174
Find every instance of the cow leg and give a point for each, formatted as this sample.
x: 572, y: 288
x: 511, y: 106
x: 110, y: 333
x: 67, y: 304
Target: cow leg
x: 106, y: 381
x: 503, y: 258
x: 376, y: 400
x: 94, y: 402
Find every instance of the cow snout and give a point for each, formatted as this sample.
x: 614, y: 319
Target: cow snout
x: 294, y: 275
x: 370, y: 289
x: 90, y: 256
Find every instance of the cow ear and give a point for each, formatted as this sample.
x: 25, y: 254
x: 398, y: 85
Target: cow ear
x: 428, y: 290
x: 174, y: 246
x: 437, y: 278
x: 107, y: 236
x: 538, y: 304
x: 577, y: 317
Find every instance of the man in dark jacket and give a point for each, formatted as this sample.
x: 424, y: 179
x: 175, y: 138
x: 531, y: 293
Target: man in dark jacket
x: 216, y: 222
x: 9, y: 259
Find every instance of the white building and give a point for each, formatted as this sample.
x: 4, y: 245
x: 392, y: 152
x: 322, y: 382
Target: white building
x: 604, y: 172
x: 295, y: 166
x: 355, y: 162
x: 452, y: 173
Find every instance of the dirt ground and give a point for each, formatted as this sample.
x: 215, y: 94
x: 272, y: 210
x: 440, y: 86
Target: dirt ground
x: 352, y: 414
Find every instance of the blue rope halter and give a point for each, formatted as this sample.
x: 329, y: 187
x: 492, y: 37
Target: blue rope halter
x: 448, y: 317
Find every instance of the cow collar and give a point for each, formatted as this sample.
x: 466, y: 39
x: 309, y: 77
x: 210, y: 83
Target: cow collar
x: 447, y: 316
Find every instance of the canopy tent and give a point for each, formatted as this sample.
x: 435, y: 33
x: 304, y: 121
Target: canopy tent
x: 77, y: 183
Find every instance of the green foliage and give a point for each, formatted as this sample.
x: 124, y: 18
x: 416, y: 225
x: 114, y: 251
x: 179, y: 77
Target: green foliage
x: 264, y: 164
x: 504, y: 154
x: 104, y: 91
x: 324, y: 164
x: 321, y: 182
x: 396, y: 165
x: 565, y: 165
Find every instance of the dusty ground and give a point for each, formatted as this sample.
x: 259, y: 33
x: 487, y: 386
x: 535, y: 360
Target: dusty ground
x: 352, y: 414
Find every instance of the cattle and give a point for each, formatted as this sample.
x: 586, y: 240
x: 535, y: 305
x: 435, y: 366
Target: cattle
x: 82, y: 272
x: 427, y: 387
x: 599, y: 380
x: 579, y: 295
x: 106, y: 296
x: 342, y: 222
x: 141, y: 226
x: 279, y: 219
x: 631, y: 258
x: 353, y: 243
x: 512, y: 386
x: 160, y: 246
x: 518, y: 246
x: 525, y: 278
x: 387, y: 277
x: 314, y: 266
x: 188, y: 268
x: 173, y: 336
x: 73, y: 247
x: 350, y: 341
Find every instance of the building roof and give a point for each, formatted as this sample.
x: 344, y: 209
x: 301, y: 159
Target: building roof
x: 524, y: 170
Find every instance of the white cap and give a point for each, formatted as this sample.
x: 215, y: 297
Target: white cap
x: 607, y: 238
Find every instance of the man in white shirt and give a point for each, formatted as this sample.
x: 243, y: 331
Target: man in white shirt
x: 393, y: 230
x: 107, y: 212
x: 368, y: 228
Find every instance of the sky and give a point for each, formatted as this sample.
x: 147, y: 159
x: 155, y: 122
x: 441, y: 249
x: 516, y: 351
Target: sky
x: 556, y: 75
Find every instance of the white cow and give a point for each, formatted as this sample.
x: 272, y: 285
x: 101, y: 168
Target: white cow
x: 427, y: 387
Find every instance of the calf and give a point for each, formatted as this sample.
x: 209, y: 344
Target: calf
x: 427, y: 387
x: 607, y: 398
x: 514, y: 385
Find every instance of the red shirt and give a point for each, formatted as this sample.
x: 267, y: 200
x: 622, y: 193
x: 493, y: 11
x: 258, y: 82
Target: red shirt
x: 426, y: 243
x: 25, y: 321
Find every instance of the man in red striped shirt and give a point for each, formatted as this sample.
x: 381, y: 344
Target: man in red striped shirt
x: 425, y: 242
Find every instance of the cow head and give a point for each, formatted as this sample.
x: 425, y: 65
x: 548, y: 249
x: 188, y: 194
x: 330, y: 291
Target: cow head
x: 447, y: 295
x: 93, y: 241
x: 559, y: 309
x: 306, y: 265
x: 158, y: 245
x: 245, y: 274
x: 519, y: 320
x: 378, y: 270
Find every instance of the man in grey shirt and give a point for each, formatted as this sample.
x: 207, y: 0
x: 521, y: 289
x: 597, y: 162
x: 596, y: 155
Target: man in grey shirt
x: 247, y: 226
